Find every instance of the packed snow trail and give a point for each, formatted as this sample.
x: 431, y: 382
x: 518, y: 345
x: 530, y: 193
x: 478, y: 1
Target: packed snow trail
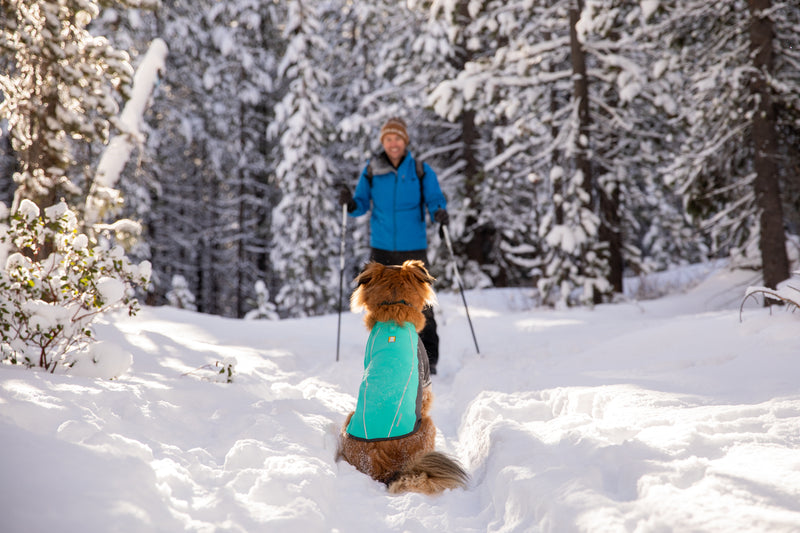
x: 662, y: 415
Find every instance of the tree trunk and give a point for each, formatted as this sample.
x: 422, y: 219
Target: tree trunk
x: 610, y: 232
x: 581, y: 94
x: 557, y: 186
x: 478, y: 240
x: 241, y: 252
x: 469, y: 133
x: 772, y: 239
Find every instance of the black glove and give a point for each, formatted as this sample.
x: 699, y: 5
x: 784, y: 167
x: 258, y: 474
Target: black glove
x: 442, y: 217
x: 346, y: 198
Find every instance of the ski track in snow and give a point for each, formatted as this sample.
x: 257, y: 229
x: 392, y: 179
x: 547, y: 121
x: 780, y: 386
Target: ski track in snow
x: 666, y: 415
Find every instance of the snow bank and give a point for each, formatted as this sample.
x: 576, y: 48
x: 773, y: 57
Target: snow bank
x: 663, y: 415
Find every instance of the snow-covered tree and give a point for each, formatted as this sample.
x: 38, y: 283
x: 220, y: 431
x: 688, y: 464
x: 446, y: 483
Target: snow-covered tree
x: 574, y: 139
x: 454, y: 41
x: 174, y: 200
x: 104, y: 199
x: 63, y: 87
x: 518, y: 83
x: 264, y: 309
x: 244, y: 52
x: 126, y: 190
x: 305, y: 221
x: 207, y: 158
x: 180, y: 295
x: 738, y: 103
x: 358, y: 96
x: 632, y: 115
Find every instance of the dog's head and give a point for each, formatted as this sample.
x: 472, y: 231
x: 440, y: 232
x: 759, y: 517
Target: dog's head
x: 398, y: 293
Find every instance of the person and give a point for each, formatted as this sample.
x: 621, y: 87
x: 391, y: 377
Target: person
x: 390, y: 188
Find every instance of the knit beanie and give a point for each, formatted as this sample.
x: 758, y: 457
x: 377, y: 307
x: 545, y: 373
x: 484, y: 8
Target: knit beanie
x: 397, y: 126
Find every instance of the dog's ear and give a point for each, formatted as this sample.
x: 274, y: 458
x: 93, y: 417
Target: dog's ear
x: 418, y: 270
x: 370, y: 271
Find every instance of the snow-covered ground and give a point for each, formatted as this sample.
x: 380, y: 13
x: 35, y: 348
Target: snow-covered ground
x: 656, y: 416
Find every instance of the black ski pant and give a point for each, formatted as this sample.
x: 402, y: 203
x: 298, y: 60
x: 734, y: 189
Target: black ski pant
x: 428, y: 336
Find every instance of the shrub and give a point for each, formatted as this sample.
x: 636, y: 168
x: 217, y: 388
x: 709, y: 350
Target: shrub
x: 53, y: 285
x: 787, y: 293
x: 218, y: 371
x: 264, y: 308
x: 180, y: 295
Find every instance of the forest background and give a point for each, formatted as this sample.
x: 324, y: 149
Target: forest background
x: 578, y: 142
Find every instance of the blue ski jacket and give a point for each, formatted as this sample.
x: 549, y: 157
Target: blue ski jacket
x: 390, y: 395
x: 397, y: 223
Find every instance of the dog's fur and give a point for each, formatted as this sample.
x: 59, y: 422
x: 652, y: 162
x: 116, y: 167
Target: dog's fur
x: 409, y: 463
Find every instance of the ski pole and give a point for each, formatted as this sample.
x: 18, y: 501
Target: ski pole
x: 341, y: 277
x: 446, y: 233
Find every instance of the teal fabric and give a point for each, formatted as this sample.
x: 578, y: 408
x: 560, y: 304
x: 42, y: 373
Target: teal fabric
x: 387, y: 405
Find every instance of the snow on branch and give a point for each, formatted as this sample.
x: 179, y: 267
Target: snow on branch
x: 786, y: 293
x: 102, y: 194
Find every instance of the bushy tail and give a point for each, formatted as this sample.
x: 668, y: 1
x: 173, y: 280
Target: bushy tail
x: 431, y: 473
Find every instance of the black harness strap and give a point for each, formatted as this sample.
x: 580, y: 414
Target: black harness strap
x: 403, y: 302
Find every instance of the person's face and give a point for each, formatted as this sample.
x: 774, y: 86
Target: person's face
x: 395, y: 146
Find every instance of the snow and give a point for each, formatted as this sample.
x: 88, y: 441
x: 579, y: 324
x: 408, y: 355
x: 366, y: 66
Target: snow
x: 28, y: 210
x: 17, y: 260
x: 55, y: 212
x: 120, y: 147
x: 662, y: 415
x: 110, y: 289
x: 566, y: 238
x: 649, y: 7
x: 101, y: 359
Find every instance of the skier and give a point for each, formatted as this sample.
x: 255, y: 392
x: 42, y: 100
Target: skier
x: 398, y: 190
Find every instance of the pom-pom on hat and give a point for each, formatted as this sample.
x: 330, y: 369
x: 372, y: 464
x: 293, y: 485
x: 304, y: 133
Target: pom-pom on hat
x: 397, y: 126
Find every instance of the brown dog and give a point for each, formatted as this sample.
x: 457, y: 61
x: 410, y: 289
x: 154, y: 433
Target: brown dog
x: 390, y: 436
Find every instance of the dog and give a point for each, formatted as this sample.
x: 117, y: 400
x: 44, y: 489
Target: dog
x: 390, y: 436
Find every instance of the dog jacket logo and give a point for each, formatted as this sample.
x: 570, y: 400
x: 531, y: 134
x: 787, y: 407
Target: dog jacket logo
x: 387, y: 399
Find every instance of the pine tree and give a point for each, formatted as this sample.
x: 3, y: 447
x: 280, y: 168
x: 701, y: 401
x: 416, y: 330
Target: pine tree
x: 544, y: 186
x: 244, y: 36
x: 739, y: 109
x: 354, y: 32
x: 305, y: 220
x: 63, y: 87
x: 209, y: 219
x: 786, y: 99
x: 583, y: 166
x: 631, y: 135
x: 772, y: 239
x: 450, y: 45
x: 532, y: 188
x: 173, y: 163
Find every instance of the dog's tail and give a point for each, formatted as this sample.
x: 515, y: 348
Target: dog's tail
x: 431, y: 473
